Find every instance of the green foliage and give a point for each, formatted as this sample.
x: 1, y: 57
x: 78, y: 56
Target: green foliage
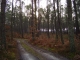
x: 11, y: 56
x: 4, y: 55
x: 71, y: 55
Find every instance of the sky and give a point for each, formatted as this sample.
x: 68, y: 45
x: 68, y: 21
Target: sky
x: 43, y: 2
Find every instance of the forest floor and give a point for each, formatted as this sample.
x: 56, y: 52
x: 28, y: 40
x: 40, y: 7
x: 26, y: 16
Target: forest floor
x: 28, y: 52
x: 11, y: 51
x: 56, y: 46
x: 42, y: 45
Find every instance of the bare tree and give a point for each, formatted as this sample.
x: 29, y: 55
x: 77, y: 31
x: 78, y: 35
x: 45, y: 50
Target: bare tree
x: 32, y: 23
x: 3, y: 37
x: 48, y: 10
x: 59, y: 21
x: 55, y: 19
x: 76, y: 18
x: 12, y: 22
x: 70, y: 26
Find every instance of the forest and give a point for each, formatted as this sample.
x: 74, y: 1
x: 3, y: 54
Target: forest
x: 50, y: 32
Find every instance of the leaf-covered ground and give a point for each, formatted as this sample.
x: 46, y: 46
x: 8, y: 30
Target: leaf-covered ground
x: 43, y: 42
x: 11, y: 52
x: 29, y: 51
x: 52, y: 45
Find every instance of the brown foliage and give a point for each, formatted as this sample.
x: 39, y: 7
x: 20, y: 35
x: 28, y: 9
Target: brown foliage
x: 44, y: 41
x: 76, y: 57
x: 7, y: 27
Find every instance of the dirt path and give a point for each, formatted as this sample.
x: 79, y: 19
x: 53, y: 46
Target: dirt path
x: 43, y: 54
x: 24, y: 54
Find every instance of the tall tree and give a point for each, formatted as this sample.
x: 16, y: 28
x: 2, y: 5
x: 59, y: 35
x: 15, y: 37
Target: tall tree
x: 12, y: 22
x: 35, y: 26
x: 3, y: 36
x: 55, y: 19
x: 70, y: 26
x: 76, y: 17
x: 48, y: 10
x: 21, y: 18
x: 78, y: 6
x: 0, y: 27
x: 59, y: 21
x: 51, y: 23
x: 39, y: 21
x: 32, y: 23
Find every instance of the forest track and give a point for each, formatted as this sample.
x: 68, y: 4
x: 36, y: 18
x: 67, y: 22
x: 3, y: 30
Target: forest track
x: 38, y: 54
x: 24, y: 55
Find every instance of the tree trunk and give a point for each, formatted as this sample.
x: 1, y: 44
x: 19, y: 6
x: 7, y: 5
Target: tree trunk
x: 32, y: 23
x: 76, y: 17
x: 48, y: 19
x: 52, y: 27
x: 59, y: 21
x: 70, y: 27
x: 21, y: 21
x: 12, y: 22
x: 3, y: 36
x: 55, y: 20
x: 35, y: 19
x: 39, y: 21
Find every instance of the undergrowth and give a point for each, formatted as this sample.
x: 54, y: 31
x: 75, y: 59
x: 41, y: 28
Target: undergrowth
x: 52, y: 45
x: 9, y: 53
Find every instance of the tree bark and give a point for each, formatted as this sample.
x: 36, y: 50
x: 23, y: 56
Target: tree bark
x: 3, y: 36
x: 21, y: 21
x: 12, y: 22
x: 32, y: 23
x: 48, y: 19
x: 70, y: 27
x: 76, y: 17
x: 55, y: 20
x: 59, y: 21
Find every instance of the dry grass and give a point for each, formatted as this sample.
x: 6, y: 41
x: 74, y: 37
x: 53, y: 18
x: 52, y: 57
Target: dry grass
x: 55, y: 46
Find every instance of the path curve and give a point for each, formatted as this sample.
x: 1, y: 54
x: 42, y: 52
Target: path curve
x: 28, y: 56
x: 24, y: 54
x: 48, y: 55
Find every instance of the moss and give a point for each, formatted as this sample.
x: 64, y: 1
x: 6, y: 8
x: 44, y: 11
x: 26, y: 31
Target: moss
x: 67, y: 54
x: 71, y: 55
x: 10, y: 52
x: 11, y: 56
x: 7, y: 55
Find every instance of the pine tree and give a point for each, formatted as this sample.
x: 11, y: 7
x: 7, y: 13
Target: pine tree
x: 70, y: 27
x: 3, y: 36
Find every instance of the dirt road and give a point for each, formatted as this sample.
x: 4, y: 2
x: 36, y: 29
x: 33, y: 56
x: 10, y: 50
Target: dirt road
x: 40, y: 53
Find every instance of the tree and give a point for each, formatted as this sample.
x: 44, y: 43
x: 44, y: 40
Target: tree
x: 78, y: 6
x: 48, y: 10
x: 35, y: 26
x: 76, y: 18
x: 39, y: 20
x: 26, y: 24
x: 32, y: 23
x: 12, y: 22
x: 55, y: 20
x: 70, y: 27
x: 59, y: 22
x: 21, y: 18
x: 52, y: 20
x: 29, y: 12
x: 3, y: 36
